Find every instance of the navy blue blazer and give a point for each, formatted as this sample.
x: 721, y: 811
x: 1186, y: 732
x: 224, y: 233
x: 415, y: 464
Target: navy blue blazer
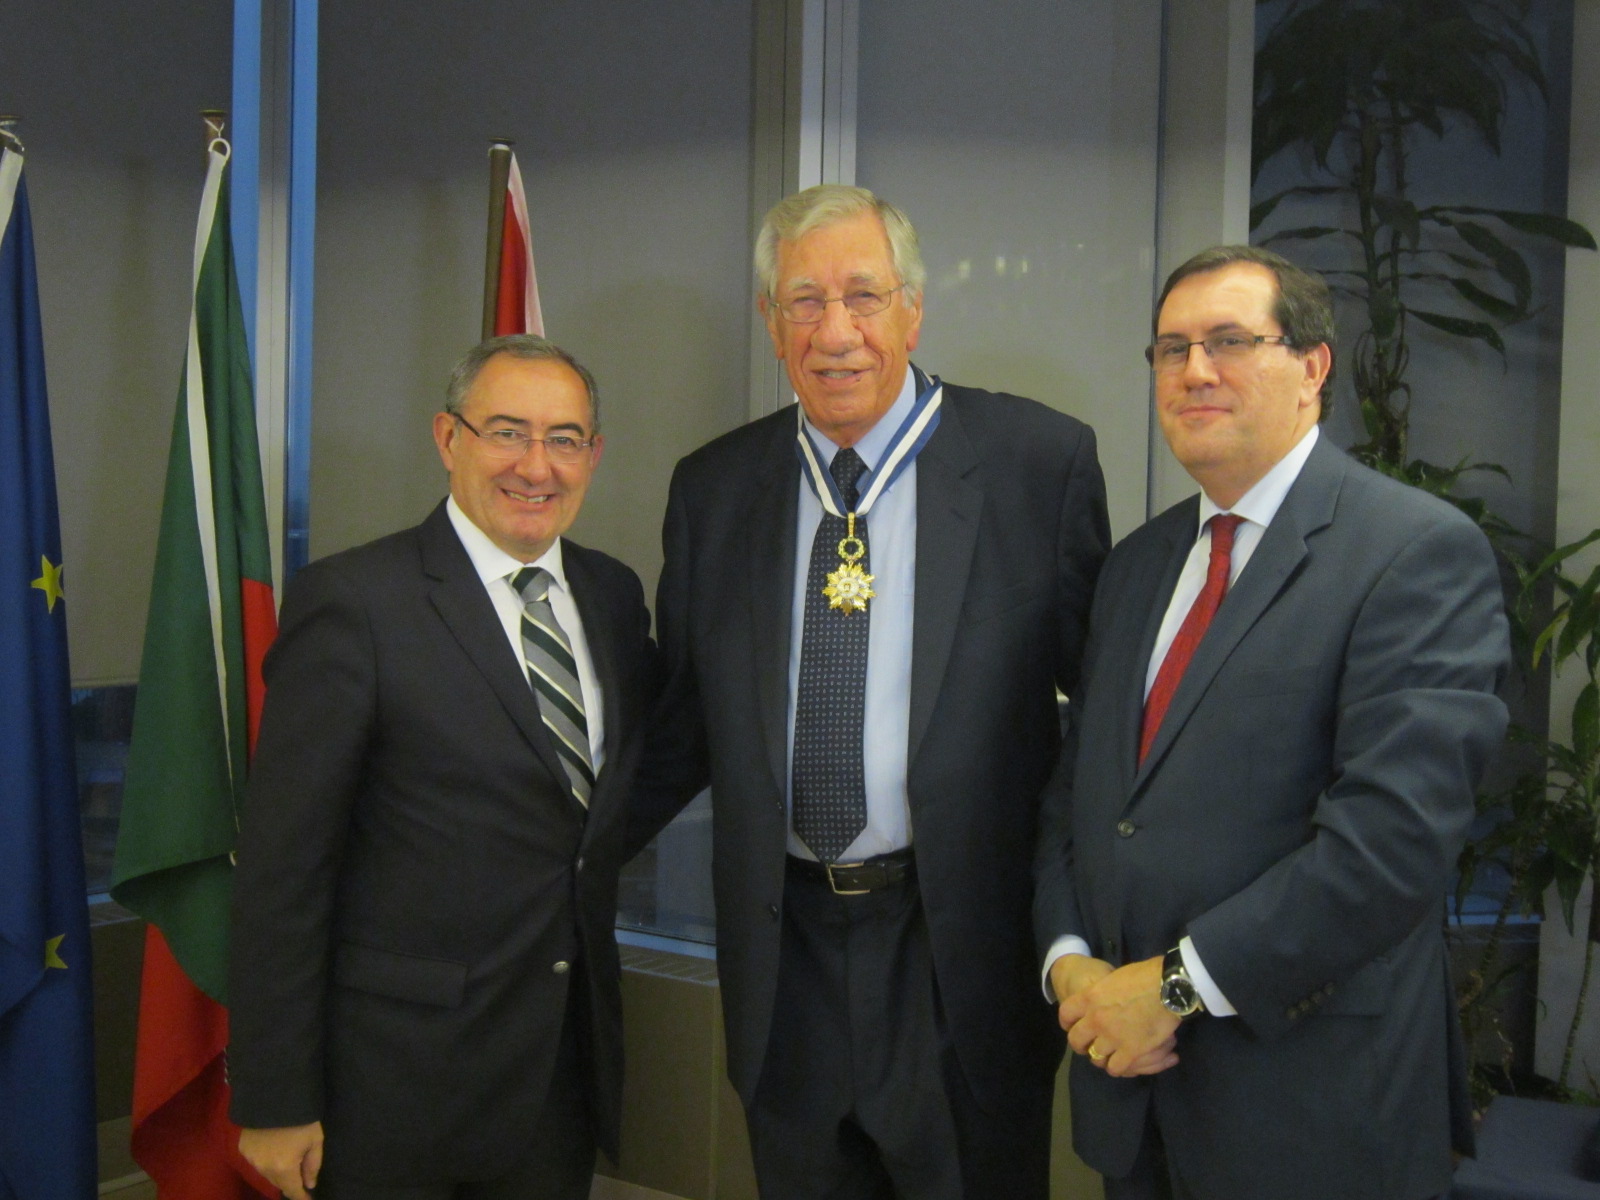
x: 1299, y: 816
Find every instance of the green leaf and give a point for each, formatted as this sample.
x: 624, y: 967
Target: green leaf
x: 1561, y: 553
x: 1462, y: 327
x: 1383, y: 310
x: 1401, y: 215
x: 1586, y: 722
x: 1545, y: 225
x: 1501, y: 310
x: 1371, y: 419
x: 1505, y: 261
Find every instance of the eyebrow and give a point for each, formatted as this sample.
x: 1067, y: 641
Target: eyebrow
x: 858, y: 279
x: 1223, y: 327
x: 504, y: 420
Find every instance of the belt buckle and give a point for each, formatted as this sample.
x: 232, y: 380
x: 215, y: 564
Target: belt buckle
x: 839, y: 891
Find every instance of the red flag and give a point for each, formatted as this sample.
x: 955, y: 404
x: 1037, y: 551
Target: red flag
x: 516, y: 308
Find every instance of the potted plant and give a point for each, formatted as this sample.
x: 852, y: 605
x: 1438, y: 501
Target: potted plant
x: 1354, y: 87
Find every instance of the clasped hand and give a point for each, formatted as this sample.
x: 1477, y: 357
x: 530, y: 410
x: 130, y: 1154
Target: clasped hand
x: 1114, y: 1015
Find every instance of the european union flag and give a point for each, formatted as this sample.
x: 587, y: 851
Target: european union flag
x: 47, y: 1131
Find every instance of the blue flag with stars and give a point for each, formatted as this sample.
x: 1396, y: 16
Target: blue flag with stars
x: 47, y: 1131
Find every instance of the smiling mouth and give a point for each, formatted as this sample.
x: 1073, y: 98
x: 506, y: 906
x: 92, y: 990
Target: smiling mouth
x: 524, y: 498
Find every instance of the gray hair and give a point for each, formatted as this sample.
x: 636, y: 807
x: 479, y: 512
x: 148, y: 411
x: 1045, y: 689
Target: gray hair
x: 791, y: 218
x: 517, y: 345
x: 1303, y: 309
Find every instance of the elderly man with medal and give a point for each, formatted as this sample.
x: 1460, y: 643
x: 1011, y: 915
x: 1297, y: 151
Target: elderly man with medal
x: 868, y: 608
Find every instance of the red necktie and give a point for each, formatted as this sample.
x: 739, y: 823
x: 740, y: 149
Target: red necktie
x: 1191, y: 631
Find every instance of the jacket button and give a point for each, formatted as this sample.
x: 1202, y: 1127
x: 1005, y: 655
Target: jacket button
x: 1112, y: 949
x: 773, y: 910
x: 561, y: 968
x: 1126, y: 829
x: 580, y: 862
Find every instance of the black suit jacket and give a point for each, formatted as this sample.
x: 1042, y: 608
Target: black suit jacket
x: 1299, y: 816
x: 417, y: 887
x: 1011, y: 530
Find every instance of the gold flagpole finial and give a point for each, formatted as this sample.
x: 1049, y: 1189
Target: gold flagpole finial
x: 8, y: 133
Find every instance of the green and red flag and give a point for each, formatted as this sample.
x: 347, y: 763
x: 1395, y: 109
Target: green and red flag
x: 211, y: 619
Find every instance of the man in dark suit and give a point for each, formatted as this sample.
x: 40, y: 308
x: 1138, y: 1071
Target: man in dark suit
x: 424, y: 986
x: 867, y: 606
x: 1243, y: 858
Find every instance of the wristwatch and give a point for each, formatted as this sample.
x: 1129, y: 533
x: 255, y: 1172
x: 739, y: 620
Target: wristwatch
x: 1178, y: 993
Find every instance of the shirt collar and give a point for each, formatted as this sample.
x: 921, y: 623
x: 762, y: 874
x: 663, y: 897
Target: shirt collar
x: 1261, y: 503
x: 871, y: 447
x: 491, y: 562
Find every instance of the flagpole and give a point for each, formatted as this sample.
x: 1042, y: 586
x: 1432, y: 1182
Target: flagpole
x: 8, y: 133
x: 499, y: 175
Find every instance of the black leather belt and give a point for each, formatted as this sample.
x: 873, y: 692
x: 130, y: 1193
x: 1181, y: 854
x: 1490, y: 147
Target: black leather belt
x: 860, y: 878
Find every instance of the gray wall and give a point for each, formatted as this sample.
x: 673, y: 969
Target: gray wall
x: 110, y: 96
x: 1022, y: 139
x: 634, y: 142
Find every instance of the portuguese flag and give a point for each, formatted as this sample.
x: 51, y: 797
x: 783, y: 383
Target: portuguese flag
x: 199, y: 702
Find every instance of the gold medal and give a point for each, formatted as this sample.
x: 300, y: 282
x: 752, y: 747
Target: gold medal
x: 849, y: 587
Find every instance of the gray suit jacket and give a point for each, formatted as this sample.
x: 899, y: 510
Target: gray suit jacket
x: 1299, y: 816
x: 1011, y: 530
x: 413, y: 865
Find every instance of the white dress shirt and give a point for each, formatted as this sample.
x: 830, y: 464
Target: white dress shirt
x: 495, y: 568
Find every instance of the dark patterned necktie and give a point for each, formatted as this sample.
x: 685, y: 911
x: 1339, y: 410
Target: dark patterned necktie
x: 554, y: 674
x: 829, y: 784
x: 1191, y: 631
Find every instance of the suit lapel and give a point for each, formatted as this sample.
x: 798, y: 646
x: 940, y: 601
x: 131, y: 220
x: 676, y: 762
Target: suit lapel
x: 769, y: 558
x: 1307, y: 508
x: 1155, y: 577
x: 458, y: 596
x: 949, y: 505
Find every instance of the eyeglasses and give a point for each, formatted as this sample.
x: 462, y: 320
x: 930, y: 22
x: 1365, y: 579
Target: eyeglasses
x: 1172, y: 354
x: 808, y: 310
x: 560, y: 448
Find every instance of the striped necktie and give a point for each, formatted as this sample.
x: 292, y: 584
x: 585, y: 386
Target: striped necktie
x: 554, y: 674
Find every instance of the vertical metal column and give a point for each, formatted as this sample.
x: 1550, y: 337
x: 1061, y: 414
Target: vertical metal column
x: 274, y: 219
x: 804, y: 127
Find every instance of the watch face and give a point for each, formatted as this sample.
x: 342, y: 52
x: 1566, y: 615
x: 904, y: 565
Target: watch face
x: 1178, y: 996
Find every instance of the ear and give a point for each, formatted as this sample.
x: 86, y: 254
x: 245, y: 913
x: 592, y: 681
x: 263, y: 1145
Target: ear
x: 769, y: 313
x: 444, y: 432
x: 914, y: 329
x: 596, y: 450
x: 1317, y: 362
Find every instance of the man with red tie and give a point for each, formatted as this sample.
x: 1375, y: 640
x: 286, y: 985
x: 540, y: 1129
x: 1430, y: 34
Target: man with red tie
x: 1287, y: 699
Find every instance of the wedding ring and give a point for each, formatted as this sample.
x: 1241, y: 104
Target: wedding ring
x: 1096, y: 1056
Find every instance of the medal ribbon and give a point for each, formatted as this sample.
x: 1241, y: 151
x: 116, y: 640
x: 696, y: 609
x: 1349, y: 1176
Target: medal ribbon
x: 902, y: 450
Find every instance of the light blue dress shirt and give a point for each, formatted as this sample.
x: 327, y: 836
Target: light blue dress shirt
x: 892, y: 560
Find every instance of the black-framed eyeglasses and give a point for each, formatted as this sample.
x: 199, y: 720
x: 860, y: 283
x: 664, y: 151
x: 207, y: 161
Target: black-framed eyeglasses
x: 863, y: 302
x: 513, y: 443
x: 1172, y: 354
